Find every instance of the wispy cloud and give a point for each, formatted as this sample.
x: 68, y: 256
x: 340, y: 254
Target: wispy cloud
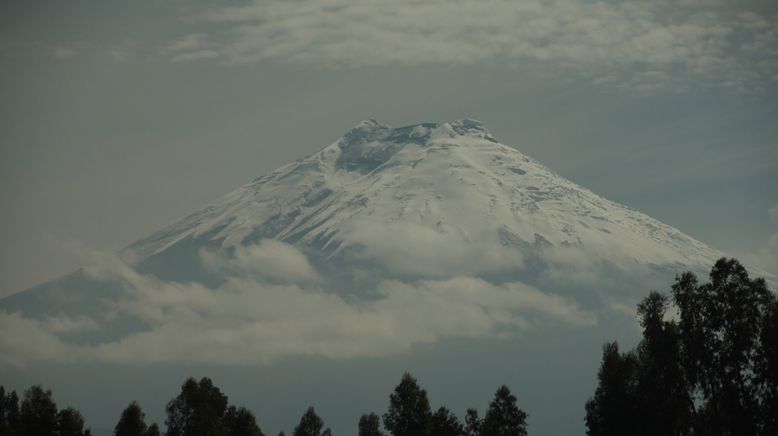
x: 643, y: 45
x: 192, y: 47
x: 124, y: 51
x: 23, y: 340
x: 64, y: 53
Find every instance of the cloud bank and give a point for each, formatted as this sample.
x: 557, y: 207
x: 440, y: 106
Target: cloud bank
x: 413, y: 249
x: 270, y: 259
x: 253, y: 319
x: 640, y: 45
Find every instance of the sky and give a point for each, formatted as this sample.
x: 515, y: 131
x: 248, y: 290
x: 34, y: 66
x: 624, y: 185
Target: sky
x: 121, y: 117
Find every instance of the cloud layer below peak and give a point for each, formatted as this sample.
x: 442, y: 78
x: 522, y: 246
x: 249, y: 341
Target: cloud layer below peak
x: 253, y: 319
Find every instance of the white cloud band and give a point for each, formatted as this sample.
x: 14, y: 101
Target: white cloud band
x: 632, y: 43
x: 249, y: 320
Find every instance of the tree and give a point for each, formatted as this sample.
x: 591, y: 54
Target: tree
x: 70, y: 423
x: 131, y: 422
x: 310, y: 424
x: 241, y: 422
x: 370, y: 425
x: 153, y: 430
x: 720, y: 324
x: 472, y: 423
x: 445, y: 423
x: 9, y: 413
x: 12, y: 411
x: 38, y: 413
x: 767, y: 370
x: 661, y: 393
x: 504, y: 418
x: 409, y: 409
x: 611, y: 411
x: 197, y: 411
x: 643, y: 392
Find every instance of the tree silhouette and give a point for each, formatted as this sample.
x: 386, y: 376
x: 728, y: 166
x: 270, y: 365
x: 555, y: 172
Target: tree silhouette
x: 9, y: 412
x: 409, y: 409
x: 720, y: 324
x: 310, y: 425
x: 38, y: 413
x: 661, y: 392
x: 197, y: 411
x: 713, y: 372
x: 241, y: 422
x: 611, y: 411
x: 70, y: 423
x: 472, y: 423
x: 153, y: 430
x: 767, y: 370
x: 370, y: 425
x: 131, y: 422
x: 504, y: 418
x: 445, y: 423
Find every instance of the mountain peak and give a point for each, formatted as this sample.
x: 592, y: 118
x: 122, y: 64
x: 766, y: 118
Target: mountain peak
x: 366, y: 131
x: 370, y: 143
x: 468, y: 125
x: 447, y: 180
x: 371, y: 130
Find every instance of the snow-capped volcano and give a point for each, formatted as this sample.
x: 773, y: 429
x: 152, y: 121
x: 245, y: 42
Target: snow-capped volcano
x: 377, y: 188
x: 385, y: 239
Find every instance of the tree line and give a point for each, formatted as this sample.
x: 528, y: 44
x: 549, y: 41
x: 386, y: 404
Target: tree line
x: 201, y: 409
x: 707, y: 365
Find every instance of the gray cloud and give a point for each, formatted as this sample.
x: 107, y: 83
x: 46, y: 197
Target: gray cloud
x: 414, y: 249
x: 248, y: 321
x: 641, y: 45
x: 67, y: 324
x: 269, y: 259
x: 23, y: 340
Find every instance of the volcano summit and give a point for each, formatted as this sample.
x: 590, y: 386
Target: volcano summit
x: 428, y: 200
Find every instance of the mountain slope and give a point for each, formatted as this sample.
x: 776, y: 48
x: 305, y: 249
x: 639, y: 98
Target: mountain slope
x: 428, y: 201
x: 448, y: 179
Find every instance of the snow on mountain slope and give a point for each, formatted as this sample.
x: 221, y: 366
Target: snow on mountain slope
x: 429, y: 183
x: 383, y: 240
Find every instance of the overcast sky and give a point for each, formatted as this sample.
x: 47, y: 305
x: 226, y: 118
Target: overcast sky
x: 120, y: 117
